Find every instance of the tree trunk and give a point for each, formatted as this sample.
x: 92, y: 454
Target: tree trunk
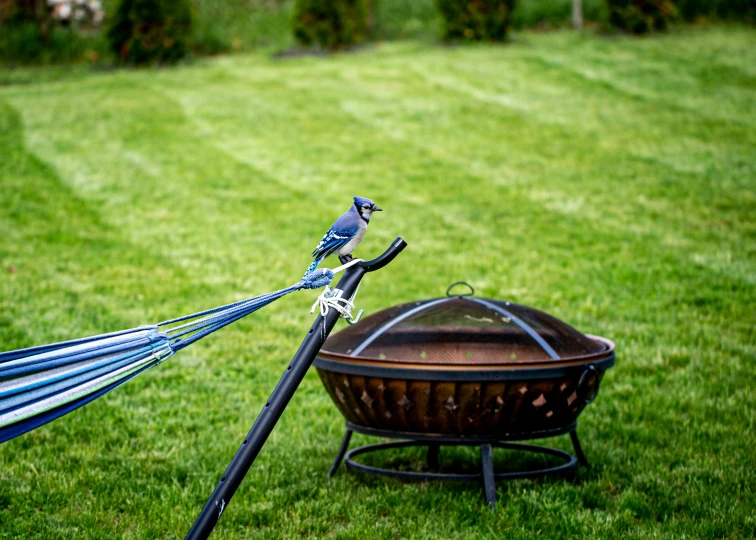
x: 577, y: 14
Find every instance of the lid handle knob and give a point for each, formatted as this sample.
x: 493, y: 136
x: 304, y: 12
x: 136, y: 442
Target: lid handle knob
x: 466, y: 284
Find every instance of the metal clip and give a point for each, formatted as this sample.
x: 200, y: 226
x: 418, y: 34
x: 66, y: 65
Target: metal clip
x: 332, y: 293
x: 355, y: 320
x: 336, y: 293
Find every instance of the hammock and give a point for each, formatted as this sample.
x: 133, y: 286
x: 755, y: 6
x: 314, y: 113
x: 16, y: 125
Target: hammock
x: 40, y: 384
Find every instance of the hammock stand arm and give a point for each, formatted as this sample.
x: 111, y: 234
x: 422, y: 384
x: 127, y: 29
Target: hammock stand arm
x: 282, y: 394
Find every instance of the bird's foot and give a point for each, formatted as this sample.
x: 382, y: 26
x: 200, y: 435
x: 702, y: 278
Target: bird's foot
x: 345, y: 258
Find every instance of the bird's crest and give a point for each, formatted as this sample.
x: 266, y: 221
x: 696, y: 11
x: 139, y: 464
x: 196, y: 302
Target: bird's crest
x: 362, y: 201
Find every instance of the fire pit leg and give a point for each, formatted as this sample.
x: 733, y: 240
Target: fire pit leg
x: 431, y: 458
x: 342, y: 450
x: 489, y: 481
x: 579, y: 450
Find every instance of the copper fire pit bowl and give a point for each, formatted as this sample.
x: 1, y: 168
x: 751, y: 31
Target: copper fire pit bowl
x: 462, y: 370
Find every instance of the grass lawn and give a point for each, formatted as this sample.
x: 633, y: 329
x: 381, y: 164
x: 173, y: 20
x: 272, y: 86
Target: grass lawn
x: 611, y: 182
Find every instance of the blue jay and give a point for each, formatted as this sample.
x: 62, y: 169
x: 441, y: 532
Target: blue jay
x: 345, y: 233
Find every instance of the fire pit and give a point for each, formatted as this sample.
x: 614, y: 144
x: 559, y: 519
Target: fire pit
x: 462, y: 370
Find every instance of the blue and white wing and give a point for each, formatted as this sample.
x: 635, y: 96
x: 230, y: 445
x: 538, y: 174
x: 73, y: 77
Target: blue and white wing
x: 332, y: 241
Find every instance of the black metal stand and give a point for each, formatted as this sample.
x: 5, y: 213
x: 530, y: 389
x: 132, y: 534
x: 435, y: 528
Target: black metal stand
x: 487, y: 476
x: 280, y: 397
x: 579, y: 450
x: 342, y: 450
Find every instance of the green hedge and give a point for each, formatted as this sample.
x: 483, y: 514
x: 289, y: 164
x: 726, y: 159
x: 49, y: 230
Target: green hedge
x: 30, y: 35
x: 151, y: 31
x: 736, y: 10
x: 26, y: 43
x: 641, y: 16
x: 330, y: 24
x: 476, y: 20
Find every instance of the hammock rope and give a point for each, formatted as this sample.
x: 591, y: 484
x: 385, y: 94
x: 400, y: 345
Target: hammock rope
x: 40, y: 384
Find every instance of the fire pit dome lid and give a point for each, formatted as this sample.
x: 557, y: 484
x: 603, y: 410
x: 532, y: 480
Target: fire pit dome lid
x: 463, y: 330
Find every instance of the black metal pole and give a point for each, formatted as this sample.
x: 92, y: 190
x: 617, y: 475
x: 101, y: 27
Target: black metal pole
x: 279, y: 399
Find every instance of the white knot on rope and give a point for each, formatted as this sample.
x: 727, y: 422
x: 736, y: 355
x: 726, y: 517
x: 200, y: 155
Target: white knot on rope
x: 331, y: 298
x: 345, y: 266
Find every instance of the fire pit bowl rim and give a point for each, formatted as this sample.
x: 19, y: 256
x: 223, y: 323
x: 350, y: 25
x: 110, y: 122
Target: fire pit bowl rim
x: 376, y: 367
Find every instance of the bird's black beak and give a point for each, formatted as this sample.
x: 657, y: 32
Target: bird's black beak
x: 376, y: 209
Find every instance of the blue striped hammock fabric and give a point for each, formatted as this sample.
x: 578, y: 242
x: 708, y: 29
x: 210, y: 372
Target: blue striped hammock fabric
x: 40, y: 384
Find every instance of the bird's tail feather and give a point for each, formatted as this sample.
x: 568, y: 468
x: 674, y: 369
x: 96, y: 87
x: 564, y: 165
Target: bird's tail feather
x: 313, y: 266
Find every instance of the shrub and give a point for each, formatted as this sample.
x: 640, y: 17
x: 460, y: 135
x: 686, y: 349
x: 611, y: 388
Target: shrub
x: 38, y: 32
x: 25, y: 43
x: 554, y: 12
x: 330, y: 24
x: 738, y: 10
x: 400, y: 19
x: 21, y: 11
x: 641, y: 16
x: 476, y: 20
x: 151, y: 31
